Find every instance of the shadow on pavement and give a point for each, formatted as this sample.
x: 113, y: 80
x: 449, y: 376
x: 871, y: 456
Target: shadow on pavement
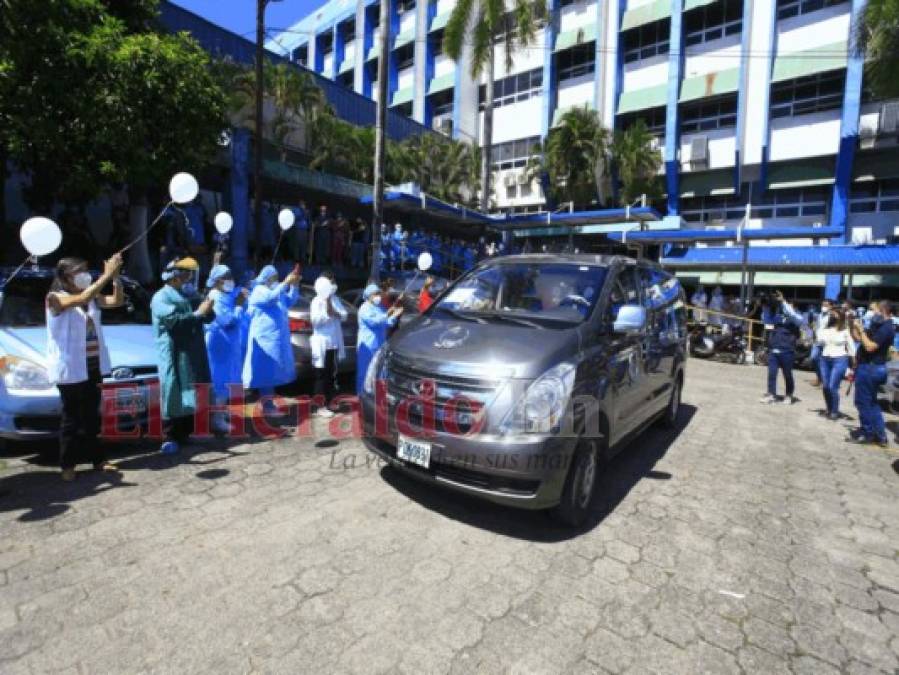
x: 633, y: 463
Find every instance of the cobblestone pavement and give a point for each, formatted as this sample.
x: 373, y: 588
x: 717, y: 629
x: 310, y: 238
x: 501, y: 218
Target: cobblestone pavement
x: 750, y: 540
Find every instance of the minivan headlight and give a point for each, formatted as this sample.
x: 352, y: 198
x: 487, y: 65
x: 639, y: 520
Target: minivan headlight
x: 540, y: 409
x: 19, y: 373
x: 371, y: 374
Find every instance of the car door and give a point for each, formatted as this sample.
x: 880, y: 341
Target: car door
x: 658, y: 350
x: 627, y: 367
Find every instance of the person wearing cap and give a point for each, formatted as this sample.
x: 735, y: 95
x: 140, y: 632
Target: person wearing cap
x: 326, y: 313
x: 373, y: 323
x: 223, y: 338
x: 181, y: 349
x: 269, y: 361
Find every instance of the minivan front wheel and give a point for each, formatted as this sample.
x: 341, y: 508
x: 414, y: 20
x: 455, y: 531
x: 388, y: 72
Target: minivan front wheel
x: 669, y: 419
x: 580, y: 486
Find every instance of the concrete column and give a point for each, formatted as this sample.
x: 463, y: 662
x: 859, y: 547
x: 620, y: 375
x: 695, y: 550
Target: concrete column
x: 420, y: 84
x: 672, y: 122
x: 362, y: 47
x: 550, y: 86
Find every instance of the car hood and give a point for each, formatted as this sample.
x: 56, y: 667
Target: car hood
x: 493, y: 350
x: 130, y: 345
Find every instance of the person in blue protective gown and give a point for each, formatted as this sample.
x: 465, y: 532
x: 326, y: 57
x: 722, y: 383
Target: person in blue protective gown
x: 181, y: 350
x: 224, y: 340
x: 373, y: 323
x: 269, y: 359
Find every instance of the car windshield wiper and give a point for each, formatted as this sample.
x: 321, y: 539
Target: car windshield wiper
x: 521, y: 321
x: 455, y: 313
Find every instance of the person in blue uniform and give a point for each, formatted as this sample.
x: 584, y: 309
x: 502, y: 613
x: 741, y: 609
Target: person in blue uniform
x: 224, y: 340
x: 373, y: 323
x: 269, y: 361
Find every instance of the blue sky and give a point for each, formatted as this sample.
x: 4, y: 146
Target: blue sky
x: 239, y: 16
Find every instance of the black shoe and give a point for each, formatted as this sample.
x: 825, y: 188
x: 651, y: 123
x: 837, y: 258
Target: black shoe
x: 859, y: 440
x: 833, y: 417
x: 880, y: 442
x: 856, y: 434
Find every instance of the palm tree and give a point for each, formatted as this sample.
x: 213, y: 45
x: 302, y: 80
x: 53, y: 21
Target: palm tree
x: 877, y: 37
x: 638, y: 163
x: 480, y: 25
x: 576, y: 157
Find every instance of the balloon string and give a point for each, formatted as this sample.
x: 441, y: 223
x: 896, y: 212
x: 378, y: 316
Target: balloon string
x: 17, y: 270
x: 277, y: 246
x: 146, y: 232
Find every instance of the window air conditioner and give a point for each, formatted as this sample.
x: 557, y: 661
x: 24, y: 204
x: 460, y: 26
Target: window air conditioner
x: 509, y: 180
x: 867, y: 137
x: 523, y: 178
x: 889, y: 118
x: 699, y: 152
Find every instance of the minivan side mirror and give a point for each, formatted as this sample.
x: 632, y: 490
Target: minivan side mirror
x: 631, y: 319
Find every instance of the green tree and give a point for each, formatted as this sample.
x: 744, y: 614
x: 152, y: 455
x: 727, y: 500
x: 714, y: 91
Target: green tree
x: 877, y: 37
x: 576, y: 157
x: 638, y: 163
x: 479, y: 25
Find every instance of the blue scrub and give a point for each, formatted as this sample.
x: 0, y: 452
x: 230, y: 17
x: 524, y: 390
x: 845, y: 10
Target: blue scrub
x: 224, y: 342
x: 269, y: 360
x: 373, y: 323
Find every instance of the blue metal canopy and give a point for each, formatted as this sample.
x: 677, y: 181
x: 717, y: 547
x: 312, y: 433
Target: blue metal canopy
x: 728, y: 234
x: 405, y: 201
x: 840, y: 259
x: 636, y: 215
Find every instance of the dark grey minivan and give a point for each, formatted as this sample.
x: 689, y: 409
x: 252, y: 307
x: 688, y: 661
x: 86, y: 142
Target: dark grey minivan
x: 526, y: 374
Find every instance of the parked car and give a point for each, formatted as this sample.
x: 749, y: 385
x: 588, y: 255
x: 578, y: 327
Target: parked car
x: 539, y: 367
x: 30, y: 406
x: 301, y: 331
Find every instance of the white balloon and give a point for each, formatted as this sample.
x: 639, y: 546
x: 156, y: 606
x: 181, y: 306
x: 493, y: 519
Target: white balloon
x: 183, y: 188
x: 425, y: 261
x: 40, y: 235
x: 323, y: 287
x: 286, y: 219
x: 223, y: 222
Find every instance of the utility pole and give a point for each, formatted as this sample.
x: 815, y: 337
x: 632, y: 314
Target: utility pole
x: 380, y: 129
x: 257, y: 137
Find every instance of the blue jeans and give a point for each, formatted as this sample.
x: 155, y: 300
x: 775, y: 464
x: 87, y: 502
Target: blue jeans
x: 815, y: 357
x: 357, y: 254
x: 832, y: 369
x: 868, y: 379
x: 780, y: 361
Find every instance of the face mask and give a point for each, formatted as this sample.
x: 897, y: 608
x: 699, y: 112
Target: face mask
x: 228, y: 286
x: 82, y: 280
x: 272, y: 283
x: 375, y: 300
x: 188, y: 288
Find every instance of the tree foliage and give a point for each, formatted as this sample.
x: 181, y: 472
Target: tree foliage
x: 877, y: 37
x: 91, y: 93
x: 637, y: 162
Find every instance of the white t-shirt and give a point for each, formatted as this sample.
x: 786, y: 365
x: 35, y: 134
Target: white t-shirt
x: 834, y: 342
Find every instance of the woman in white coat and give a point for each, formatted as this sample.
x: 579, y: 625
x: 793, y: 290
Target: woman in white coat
x: 325, y: 313
x: 77, y: 358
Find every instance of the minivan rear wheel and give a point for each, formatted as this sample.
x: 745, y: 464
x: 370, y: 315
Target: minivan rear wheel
x: 580, y: 486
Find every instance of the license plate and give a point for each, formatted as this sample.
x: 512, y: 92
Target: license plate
x: 414, y: 452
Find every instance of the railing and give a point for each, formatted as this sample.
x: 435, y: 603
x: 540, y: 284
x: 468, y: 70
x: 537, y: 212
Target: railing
x: 747, y: 331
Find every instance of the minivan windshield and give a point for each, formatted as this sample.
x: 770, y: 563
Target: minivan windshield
x: 562, y: 292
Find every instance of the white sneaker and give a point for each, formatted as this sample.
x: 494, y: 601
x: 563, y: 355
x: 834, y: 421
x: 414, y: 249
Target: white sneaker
x: 324, y: 412
x: 768, y: 398
x: 789, y: 400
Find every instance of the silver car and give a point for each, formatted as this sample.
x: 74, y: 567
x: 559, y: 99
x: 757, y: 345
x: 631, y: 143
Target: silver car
x: 30, y: 406
x: 301, y: 331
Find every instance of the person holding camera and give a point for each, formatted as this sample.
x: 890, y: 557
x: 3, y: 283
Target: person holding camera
x: 783, y: 324
x: 871, y: 372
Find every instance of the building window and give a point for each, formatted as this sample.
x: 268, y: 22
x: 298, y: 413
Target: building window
x: 514, y: 89
x: 720, y: 113
x: 348, y: 30
x: 875, y: 196
x: 405, y: 56
x: 403, y: 6
x: 654, y: 118
x: 301, y: 55
x: 437, y: 44
x: 572, y: 63
x: 807, y: 94
x: 712, y: 22
x: 513, y: 154
x: 810, y: 202
x: 788, y: 8
x: 647, y: 41
x: 442, y: 106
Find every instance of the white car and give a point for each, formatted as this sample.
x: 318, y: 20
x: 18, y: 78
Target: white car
x: 30, y: 406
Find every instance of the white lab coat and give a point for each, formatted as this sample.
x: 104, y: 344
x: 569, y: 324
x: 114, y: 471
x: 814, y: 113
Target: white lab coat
x: 326, y: 331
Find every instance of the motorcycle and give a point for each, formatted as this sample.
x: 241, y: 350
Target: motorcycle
x: 706, y: 341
